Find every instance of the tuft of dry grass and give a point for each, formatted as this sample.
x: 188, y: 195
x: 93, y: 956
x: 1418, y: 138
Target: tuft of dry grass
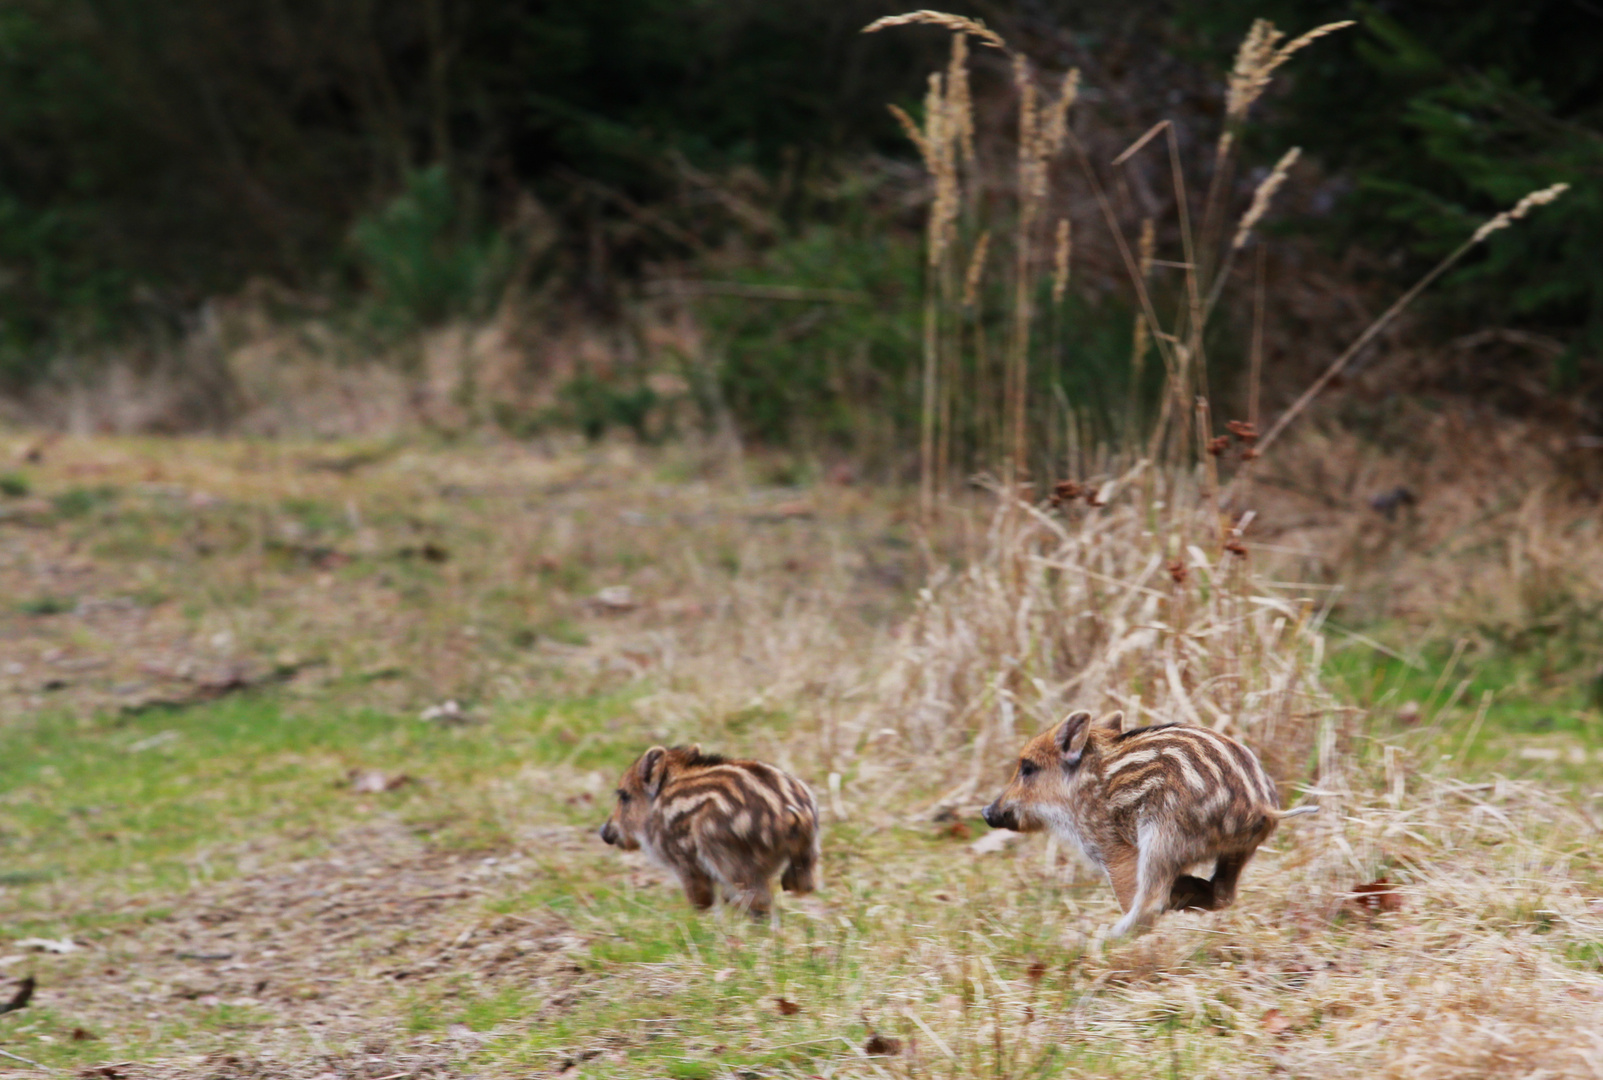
x: 1121, y: 599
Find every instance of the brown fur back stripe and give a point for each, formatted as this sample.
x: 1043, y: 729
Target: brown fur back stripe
x: 692, y: 758
x: 1123, y: 735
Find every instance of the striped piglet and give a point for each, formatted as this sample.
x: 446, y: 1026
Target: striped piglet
x: 724, y: 827
x: 1144, y: 805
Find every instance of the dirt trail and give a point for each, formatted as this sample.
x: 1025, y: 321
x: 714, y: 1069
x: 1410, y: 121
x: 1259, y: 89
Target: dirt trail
x: 303, y: 968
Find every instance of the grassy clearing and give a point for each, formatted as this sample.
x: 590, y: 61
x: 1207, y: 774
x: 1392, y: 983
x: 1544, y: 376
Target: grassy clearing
x: 242, y: 911
x: 266, y: 918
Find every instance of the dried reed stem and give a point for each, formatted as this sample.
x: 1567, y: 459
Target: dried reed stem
x: 1501, y: 221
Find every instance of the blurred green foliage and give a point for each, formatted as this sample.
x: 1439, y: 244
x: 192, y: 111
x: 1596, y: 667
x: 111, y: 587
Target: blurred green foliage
x: 155, y: 155
x: 1433, y: 117
x: 423, y: 257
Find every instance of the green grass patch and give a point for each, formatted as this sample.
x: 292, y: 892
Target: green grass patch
x: 47, y: 605
x: 136, y: 797
x: 1480, y: 711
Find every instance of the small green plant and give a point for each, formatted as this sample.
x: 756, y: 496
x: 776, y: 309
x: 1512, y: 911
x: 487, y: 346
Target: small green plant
x: 14, y: 485
x: 80, y: 502
x: 424, y: 258
x: 596, y: 405
x: 47, y: 605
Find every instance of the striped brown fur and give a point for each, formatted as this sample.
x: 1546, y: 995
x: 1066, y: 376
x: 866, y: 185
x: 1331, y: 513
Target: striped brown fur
x: 725, y: 827
x: 1144, y: 805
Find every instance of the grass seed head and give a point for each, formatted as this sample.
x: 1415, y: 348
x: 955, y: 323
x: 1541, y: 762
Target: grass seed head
x: 1261, y: 197
x: 1060, y: 261
x: 1521, y: 208
x: 955, y: 23
x: 976, y: 270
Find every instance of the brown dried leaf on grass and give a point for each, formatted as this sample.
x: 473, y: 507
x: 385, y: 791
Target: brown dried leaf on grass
x: 786, y: 1007
x: 1274, y: 1023
x: 882, y: 1045
x: 1377, y: 895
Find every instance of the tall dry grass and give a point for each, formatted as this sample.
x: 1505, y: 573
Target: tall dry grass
x: 1137, y: 585
x: 1093, y: 608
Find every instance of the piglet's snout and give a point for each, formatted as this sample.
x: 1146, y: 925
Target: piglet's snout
x: 609, y: 834
x: 997, y: 818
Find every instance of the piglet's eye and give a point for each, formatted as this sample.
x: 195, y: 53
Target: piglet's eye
x: 1028, y: 769
x: 623, y: 796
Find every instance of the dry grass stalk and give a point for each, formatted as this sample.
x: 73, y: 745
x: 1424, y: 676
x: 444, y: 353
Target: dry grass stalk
x: 1042, y: 134
x: 1523, y: 207
x: 1256, y: 60
x: 945, y: 138
x: 976, y: 270
x: 1261, y: 198
x: 983, y: 419
x: 959, y: 102
x: 1031, y: 187
x: 1060, y: 261
x: 955, y: 23
x: 1077, y: 612
x: 1501, y: 221
x: 1140, y: 336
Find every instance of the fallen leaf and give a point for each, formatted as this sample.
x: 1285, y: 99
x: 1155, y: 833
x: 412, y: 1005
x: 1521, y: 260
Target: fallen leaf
x: 81, y: 1035
x: 64, y: 945
x: 1037, y: 971
x: 1408, y: 712
x: 786, y: 1008
x: 20, y: 999
x: 957, y: 830
x: 1274, y: 1023
x: 1377, y: 895
x: 882, y: 1044
x: 373, y: 781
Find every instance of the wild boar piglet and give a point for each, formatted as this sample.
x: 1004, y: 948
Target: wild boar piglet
x: 725, y: 827
x: 1144, y: 805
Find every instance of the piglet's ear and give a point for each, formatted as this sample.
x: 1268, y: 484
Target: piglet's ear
x: 1112, y: 723
x: 1072, y: 734
x: 653, y: 770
